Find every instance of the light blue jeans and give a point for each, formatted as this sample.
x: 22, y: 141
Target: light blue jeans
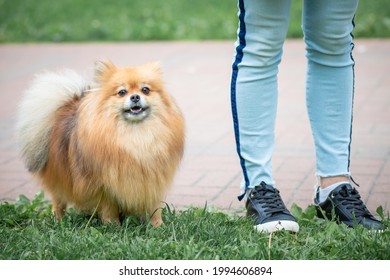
x: 327, y: 26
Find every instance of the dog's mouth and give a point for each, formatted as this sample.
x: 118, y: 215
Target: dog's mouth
x: 136, y: 112
x: 135, y: 109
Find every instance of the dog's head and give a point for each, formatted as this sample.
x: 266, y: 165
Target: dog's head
x: 133, y: 93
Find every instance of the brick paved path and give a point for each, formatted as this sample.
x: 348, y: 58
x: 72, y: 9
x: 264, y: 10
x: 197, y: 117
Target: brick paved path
x: 198, y: 75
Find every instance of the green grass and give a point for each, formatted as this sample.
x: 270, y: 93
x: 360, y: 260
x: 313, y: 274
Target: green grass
x: 28, y: 230
x: 136, y: 20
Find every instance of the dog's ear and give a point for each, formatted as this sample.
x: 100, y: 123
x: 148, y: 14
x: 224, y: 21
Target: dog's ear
x: 103, y: 69
x: 153, y: 68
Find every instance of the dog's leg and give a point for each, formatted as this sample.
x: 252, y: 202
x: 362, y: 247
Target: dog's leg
x: 155, y: 217
x: 109, y: 212
x: 58, y: 208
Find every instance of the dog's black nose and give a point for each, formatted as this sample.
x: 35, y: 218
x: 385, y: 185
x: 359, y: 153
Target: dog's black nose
x: 135, y: 98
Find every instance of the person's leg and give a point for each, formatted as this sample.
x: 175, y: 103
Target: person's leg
x: 327, y: 27
x: 254, y: 90
x: 262, y: 30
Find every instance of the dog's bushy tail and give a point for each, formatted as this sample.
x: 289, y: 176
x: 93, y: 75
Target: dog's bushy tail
x: 48, y: 92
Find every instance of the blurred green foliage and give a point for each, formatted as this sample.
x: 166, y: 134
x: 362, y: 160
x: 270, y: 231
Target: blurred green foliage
x: 139, y: 20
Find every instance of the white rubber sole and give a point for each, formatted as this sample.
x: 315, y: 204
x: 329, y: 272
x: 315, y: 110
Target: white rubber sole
x: 277, y: 225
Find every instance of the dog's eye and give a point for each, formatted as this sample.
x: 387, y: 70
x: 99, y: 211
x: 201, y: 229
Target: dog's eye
x: 122, y: 92
x: 145, y: 90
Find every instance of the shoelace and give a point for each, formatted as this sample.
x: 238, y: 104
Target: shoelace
x: 270, y: 197
x: 352, y: 201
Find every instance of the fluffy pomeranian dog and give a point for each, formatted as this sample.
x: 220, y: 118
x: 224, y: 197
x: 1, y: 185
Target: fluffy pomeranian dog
x: 111, y: 145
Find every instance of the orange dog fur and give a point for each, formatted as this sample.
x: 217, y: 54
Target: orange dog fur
x: 113, y: 144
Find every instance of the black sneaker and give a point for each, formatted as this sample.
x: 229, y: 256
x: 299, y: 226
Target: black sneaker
x: 265, y: 206
x: 345, y: 203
